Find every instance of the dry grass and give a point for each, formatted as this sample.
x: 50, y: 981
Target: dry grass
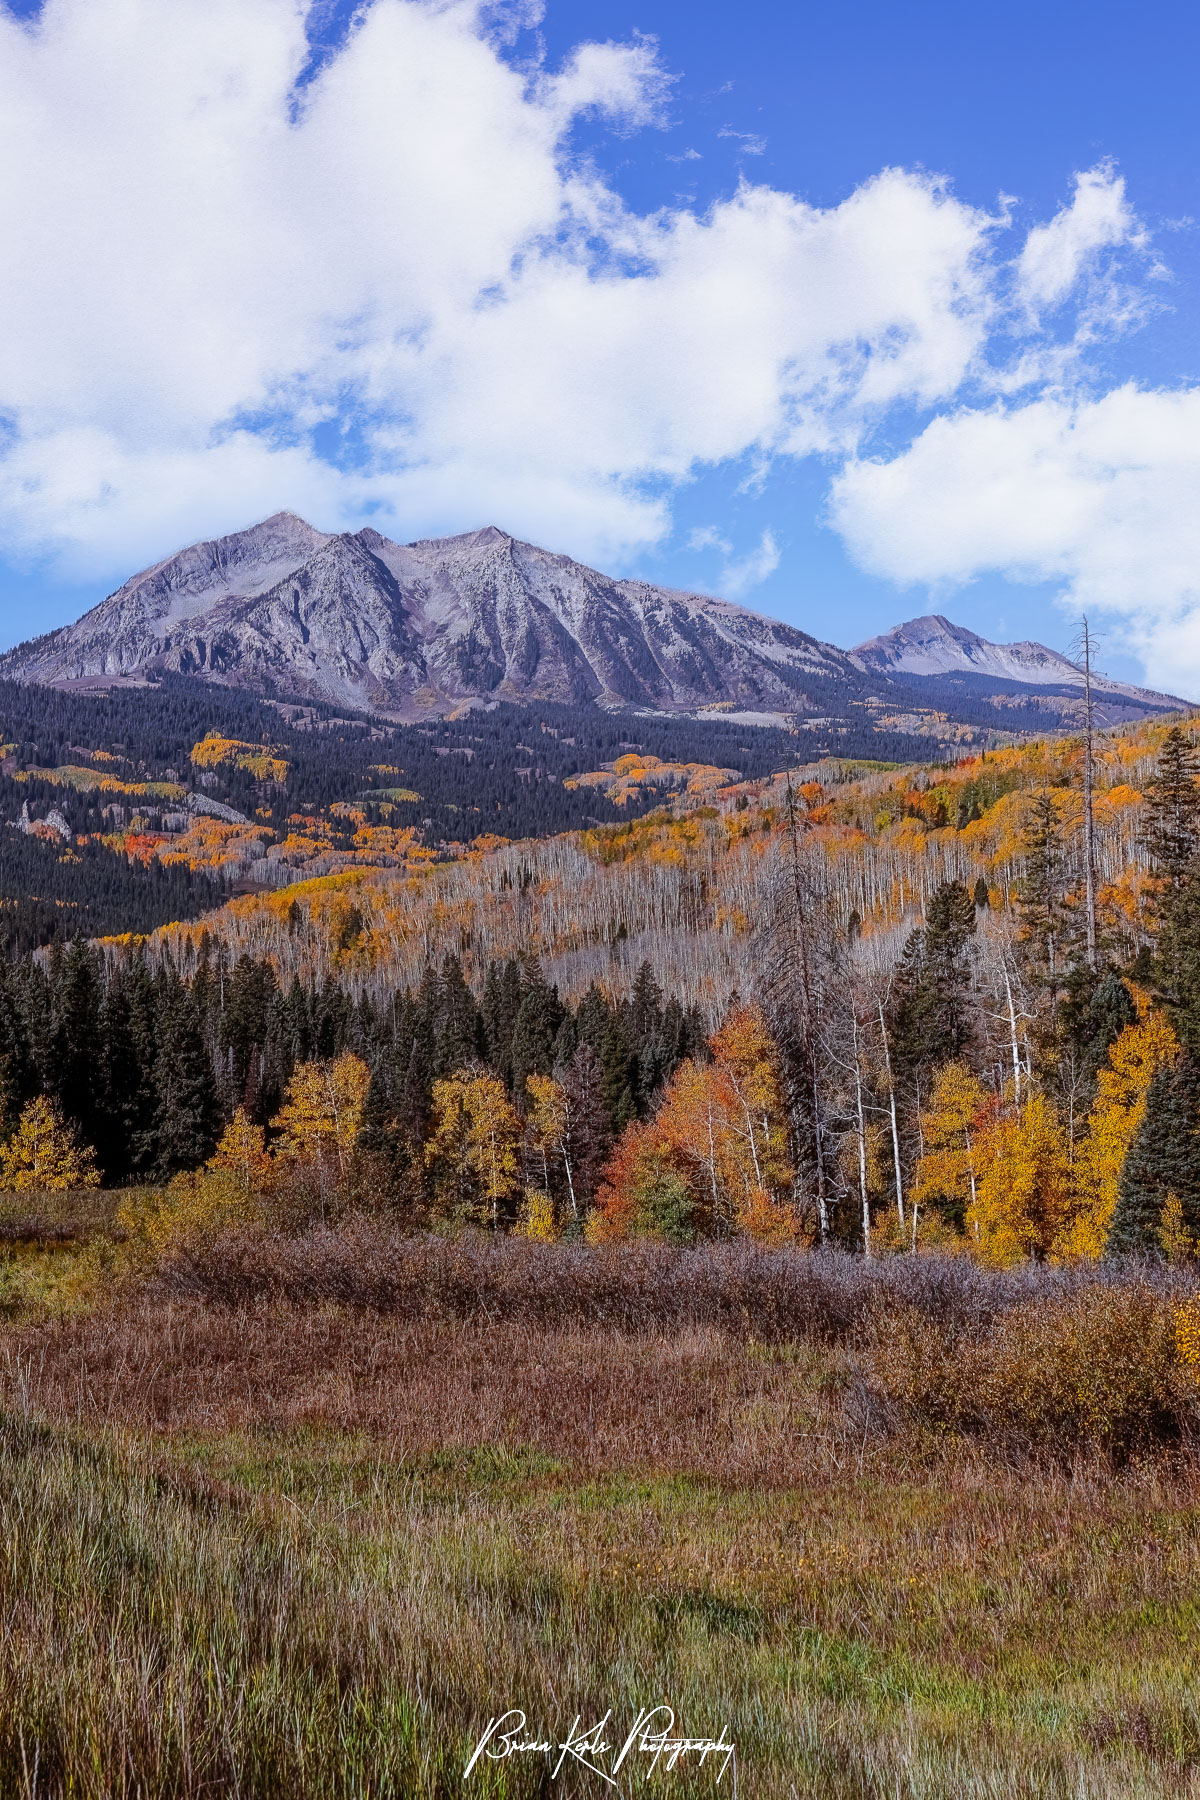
x: 308, y: 1549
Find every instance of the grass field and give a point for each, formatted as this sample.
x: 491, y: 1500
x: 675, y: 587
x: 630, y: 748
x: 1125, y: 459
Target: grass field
x: 310, y: 1549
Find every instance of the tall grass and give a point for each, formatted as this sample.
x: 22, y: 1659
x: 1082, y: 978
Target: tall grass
x: 298, y: 1520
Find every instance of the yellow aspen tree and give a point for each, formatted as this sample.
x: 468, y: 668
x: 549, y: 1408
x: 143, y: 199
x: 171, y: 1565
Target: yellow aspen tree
x: 44, y: 1153
x: 548, y: 1132
x: 318, y: 1124
x: 1023, y: 1191
x: 949, y: 1132
x: 755, y: 1144
x: 1113, y: 1123
x: 242, y: 1155
x: 322, y: 1111
x: 473, y: 1148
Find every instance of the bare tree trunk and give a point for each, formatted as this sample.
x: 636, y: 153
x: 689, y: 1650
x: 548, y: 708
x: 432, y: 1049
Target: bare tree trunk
x: 887, y: 1063
x: 1089, y: 823
x: 862, y: 1141
x: 1012, y: 1026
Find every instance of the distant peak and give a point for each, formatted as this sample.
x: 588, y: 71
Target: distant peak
x: 290, y: 519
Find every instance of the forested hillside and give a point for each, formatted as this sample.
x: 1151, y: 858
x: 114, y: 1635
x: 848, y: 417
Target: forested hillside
x: 945, y: 1007
x: 143, y: 805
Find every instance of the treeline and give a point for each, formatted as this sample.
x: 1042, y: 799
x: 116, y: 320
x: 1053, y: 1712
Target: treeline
x: 147, y: 1069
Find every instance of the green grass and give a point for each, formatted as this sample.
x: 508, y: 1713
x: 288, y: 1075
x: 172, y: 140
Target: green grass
x: 306, y: 1554
x: 305, y: 1614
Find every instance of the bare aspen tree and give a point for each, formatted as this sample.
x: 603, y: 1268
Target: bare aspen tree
x: 1084, y: 646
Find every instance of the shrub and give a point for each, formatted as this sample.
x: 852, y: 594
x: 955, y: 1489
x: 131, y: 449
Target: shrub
x: 1096, y: 1366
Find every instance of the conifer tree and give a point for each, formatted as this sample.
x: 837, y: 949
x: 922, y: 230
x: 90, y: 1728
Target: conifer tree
x: 1042, y: 894
x: 1163, y: 1163
x: 186, y: 1114
x: 1173, y: 810
x: 534, y: 1029
x: 933, y: 1014
x: 458, y: 1026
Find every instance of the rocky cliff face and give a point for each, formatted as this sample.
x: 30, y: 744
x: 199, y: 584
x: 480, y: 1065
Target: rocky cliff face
x: 359, y: 620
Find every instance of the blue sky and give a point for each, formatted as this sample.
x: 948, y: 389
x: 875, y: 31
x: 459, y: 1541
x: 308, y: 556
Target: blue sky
x: 655, y: 303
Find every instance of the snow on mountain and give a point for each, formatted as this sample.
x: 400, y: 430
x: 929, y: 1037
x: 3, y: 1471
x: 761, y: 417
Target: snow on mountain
x: 356, y: 619
x: 933, y: 645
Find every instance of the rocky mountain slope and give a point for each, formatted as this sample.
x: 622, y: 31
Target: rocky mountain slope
x: 932, y: 646
x: 411, y: 629
x: 359, y: 620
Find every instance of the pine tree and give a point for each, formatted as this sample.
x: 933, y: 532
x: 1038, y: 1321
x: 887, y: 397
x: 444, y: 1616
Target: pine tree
x: 75, y: 1038
x: 1173, y: 810
x: 1042, y: 894
x: 932, y: 1012
x: 1163, y: 1161
x: 459, y: 1028
x: 186, y: 1115
x: 617, y: 1075
x: 534, y: 1029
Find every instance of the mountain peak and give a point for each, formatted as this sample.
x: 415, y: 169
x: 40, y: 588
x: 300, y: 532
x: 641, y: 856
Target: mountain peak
x: 933, y: 645
x: 358, y: 619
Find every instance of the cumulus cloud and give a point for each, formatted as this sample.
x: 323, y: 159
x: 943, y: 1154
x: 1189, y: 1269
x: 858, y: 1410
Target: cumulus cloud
x: 1057, y: 254
x: 1095, y: 494
x: 392, y: 290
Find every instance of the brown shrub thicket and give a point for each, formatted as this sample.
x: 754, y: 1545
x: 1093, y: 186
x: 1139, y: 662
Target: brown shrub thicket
x: 1037, y: 1359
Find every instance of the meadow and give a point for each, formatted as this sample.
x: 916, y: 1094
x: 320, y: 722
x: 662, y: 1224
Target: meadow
x: 298, y: 1515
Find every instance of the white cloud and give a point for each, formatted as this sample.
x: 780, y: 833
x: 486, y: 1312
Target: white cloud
x: 204, y: 265
x: 1056, y: 255
x: 1098, y: 495
x: 740, y: 574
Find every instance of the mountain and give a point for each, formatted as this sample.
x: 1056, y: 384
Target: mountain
x: 933, y: 647
x: 359, y: 620
x: 353, y: 619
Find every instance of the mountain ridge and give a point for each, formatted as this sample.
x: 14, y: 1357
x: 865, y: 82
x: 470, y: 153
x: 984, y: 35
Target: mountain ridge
x: 358, y: 619
x: 932, y: 645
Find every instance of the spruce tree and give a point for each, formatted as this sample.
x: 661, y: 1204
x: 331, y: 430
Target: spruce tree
x: 459, y: 1027
x: 933, y: 1019
x: 1173, y: 809
x: 1042, y: 893
x: 617, y: 1075
x: 1164, y: 1159
x: 75, y: 1038
x: 186, y: 1115
x: 534, y: 1029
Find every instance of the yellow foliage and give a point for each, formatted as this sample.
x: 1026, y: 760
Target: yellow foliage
x: 949, y: 1129
x: 1187, y: 1333
x: 1114, y: 1122
x: 322, y: 1110
x: 45, y: 1154
x: 537, y: 1219
x: 1023, y: 1189
x: 256, y: 759
x: 228, y: 1190
x: 473, y: 1147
